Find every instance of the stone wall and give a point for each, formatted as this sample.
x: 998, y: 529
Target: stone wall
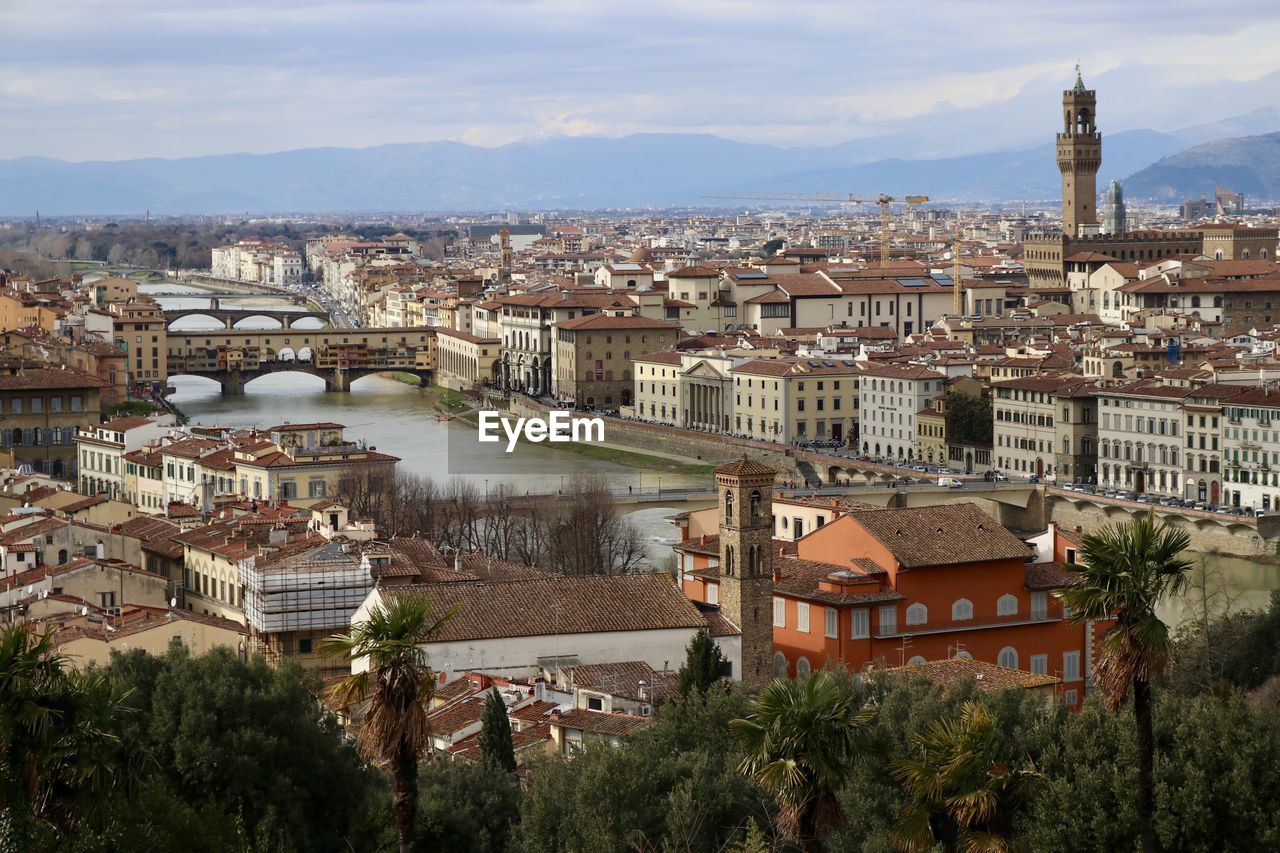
x: 693, y: 446
x: 1207, y: 534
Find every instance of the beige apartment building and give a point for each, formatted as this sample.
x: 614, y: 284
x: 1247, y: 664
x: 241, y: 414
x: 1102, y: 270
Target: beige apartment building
x: 1028, y: 425
x: 593, y: 357
x: 796, y: 399
x: 1140, y: 438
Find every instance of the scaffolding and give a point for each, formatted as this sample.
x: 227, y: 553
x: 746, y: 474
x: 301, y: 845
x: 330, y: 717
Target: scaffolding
x: 319, y: 590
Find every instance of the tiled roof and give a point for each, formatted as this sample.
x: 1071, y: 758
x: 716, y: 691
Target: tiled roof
x: 599, y: 723
x: 745, y: 467
x: 1049, y: 576
x: 43, y: 378
x: 557, y: 605
x: 987, y: 676
x: 156, y: 534
x: 622, y: 679
x: 604, y: 321
x: 941, y: 535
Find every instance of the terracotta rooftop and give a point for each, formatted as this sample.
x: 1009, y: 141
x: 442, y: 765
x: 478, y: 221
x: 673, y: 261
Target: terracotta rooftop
x: 557, y: 605
x: 941, y: 535
x: 987, y: 676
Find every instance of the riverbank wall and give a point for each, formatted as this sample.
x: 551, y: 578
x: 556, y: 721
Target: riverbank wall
x: 670, y: 441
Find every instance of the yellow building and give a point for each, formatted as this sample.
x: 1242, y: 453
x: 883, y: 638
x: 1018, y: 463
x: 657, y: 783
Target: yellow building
x: 464, y: 360
x: 593, y: 357
x: 86, y: 640
x: 796, y: 399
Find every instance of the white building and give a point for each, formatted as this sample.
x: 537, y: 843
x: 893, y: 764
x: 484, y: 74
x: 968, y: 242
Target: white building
x: 889, y: 397
x: 1251, y: 449
x: 101, y: 450
x: 1140, y: 438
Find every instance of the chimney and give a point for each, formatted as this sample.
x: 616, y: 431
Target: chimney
x: 457, y: 562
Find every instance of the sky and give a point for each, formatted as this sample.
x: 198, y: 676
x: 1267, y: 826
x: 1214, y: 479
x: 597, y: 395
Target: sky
x: 119, y: 79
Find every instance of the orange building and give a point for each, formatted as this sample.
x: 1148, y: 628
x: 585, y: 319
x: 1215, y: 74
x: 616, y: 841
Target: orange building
x: 870, y: 587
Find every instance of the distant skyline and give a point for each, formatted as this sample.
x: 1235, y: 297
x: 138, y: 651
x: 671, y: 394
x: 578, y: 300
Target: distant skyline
x: 84, y: 80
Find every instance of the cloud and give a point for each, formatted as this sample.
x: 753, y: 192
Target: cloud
x: 87, y: 80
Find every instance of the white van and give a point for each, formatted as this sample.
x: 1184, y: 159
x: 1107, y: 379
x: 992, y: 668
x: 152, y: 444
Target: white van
x: 950, y: 482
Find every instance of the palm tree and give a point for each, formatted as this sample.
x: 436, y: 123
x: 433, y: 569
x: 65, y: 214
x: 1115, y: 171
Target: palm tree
x: 961, y: 795
x: 1126, y: 570
x: 398, y: 684
x: 60, y: 753
x: 801, y: 739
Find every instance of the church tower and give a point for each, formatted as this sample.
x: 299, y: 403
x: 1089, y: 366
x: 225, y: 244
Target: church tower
x: 1079, y: 157
x: 745, y: 491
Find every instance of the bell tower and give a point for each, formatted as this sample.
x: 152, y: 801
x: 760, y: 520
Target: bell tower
x: 1079, y: 157
x: 744, y: 488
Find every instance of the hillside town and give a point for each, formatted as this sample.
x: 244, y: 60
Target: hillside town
x: 910, y: 420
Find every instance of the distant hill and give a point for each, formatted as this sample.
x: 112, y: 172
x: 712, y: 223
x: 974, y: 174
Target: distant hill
x: 581, y: 172
x: 1247, y: 164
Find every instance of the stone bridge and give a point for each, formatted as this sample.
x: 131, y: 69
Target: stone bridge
x: 235, y: 357
x: 229, y: 317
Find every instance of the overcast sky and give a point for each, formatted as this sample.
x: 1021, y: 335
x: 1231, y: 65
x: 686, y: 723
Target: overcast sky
x: 111, y: 79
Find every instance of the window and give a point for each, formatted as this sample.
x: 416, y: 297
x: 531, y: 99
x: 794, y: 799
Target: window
x: 962, y: 609
x: 713, y: 593
x: 802, y: 616
x: 1039, y: 605
x: 595, y: 703
x: 1007, y: 605
x: 861, y: 628
x: 916, y: 660
x: 779, y: 612
x: 779, y: 665
x: 1071, y: 555
x: 833, y: 622
x: 917, y: 614
x: 1008, y: 657
x: 1070, y: 666
x: 802, y: 667
x: 1040, y: 664
x: 889, y: 619
x: 1070, y: 697
x: 304, y: 646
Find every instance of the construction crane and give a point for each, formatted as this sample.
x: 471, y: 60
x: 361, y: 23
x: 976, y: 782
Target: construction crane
x: 884, y: 201
x: 957, y: 293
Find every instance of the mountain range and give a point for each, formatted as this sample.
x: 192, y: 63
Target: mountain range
x: 642, y: 170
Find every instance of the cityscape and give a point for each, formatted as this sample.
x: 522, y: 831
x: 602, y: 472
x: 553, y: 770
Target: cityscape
x: 577, y: 478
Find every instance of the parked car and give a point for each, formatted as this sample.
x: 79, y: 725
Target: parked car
x: 1033, y: 479
x: 951, y: 482
x: 998, y: 477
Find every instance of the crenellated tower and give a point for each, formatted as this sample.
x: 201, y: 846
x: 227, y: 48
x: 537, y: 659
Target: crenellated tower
x: 1079, y: 157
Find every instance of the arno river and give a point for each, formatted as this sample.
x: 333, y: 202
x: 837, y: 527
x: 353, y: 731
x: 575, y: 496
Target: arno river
x: 393, y: 417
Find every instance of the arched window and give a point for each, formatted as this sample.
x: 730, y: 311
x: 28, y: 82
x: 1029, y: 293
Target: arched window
x: 1244, y: 256
x: 779, y: 665
x: 728, y: 506
x: 962, y: 609
x: 917, y: 614
x: 963, y: 656
x: 755, y: 504
x: 728, y: 561
x: 62, y: 556
x: 1007, y: 605
x: 802, y: 667
x: 916, y: 660
x: 1008, y: 657
x: 754, y: 566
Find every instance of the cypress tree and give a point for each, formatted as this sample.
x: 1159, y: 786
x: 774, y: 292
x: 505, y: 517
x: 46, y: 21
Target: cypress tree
x: 495, y: 734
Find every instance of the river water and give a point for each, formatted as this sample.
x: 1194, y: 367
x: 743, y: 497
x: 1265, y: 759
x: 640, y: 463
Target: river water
x: 393, y: 417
